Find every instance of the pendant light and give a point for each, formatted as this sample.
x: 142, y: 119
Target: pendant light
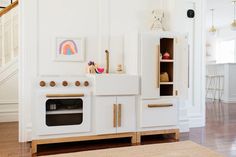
x: 212, y: 30
x: 233, y: 24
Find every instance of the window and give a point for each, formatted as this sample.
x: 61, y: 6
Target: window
x: 226, y: 52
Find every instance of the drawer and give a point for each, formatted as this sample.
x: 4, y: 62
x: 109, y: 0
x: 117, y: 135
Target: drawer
x: 158, y: 113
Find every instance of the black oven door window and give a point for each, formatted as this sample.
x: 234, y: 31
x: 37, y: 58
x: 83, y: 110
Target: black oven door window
x: 61, y: 112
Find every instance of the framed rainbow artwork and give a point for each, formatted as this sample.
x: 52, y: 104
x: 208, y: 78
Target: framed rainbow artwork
x: 70, y: 49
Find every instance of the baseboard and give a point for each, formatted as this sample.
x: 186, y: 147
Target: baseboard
x: 229, y: 101
x: 183, y: 120
x: 196, y: 121
x: 184, y: 126
x: 225, y: 100
x: 8, y: 111
x: 8, y: 117
x: 9, y: 102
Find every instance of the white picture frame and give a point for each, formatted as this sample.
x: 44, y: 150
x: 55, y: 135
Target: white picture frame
x: 70, y: 49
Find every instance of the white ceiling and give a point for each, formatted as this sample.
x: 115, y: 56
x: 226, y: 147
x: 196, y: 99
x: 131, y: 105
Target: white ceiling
x: 223, y: 14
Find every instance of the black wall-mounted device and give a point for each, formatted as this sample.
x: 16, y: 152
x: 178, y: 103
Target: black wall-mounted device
x: 190, y: 13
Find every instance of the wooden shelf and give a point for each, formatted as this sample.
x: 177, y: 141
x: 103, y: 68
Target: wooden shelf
x: 167, y: 60
x: 166, y: 83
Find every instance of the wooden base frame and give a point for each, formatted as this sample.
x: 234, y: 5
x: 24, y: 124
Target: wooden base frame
x: 157, y: 132
x: 35, y: 143
x: 135, y: 137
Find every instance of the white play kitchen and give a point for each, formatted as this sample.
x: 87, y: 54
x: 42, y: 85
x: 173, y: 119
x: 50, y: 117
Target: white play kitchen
x: 131, y: 104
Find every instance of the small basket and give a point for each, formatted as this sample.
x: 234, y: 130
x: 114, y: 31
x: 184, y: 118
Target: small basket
x: 164, y: 77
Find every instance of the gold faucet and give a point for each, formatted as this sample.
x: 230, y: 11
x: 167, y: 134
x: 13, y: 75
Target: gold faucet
x: 107, y: 61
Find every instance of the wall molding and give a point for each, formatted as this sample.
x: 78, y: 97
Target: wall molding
x: 229, y: 100
x: 9, y: 117
x: 184, y: 126
x: 28, y: 56
x: 196, y: 120
x: 9, y: 111
x: 9, y: 114
x: 225, y: 100
x: 8, y: 102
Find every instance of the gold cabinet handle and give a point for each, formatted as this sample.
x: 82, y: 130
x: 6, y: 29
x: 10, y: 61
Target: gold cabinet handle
x: 159, y: 105
x: 114, y: 115
x: 188, y: 65
x: 176, y: 92
x: 107, y: 61
x: 158, y: 66
x: 119, y: 115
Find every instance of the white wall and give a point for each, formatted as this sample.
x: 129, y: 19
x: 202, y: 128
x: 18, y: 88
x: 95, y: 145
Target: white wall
x: 195, y: 29
x: 8, y: 66
x: 223, y: 17
x: 9, y: 99
x: 211, y: 48
x: 66, y: 20
x: 228, y: 71
x: 102, y: 22
x: 223, y: 33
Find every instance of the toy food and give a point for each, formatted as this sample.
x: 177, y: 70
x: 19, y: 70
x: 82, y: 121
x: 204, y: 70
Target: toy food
x: 99, y: 70
x: 166, y: 55
x: 164, y: 77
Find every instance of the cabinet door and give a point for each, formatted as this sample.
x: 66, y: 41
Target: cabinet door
x: 149, y: 66
x: 104, y: 115
x: 181, y: 66
x: 126, y: 121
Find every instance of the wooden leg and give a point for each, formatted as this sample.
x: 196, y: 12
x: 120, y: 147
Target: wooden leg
x: 138, y: 138
x: 34, y: 147
x: 133, y: 139
x: 177, y: 135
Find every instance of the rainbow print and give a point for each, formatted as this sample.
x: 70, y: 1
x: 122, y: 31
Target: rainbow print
x: 68, y: 47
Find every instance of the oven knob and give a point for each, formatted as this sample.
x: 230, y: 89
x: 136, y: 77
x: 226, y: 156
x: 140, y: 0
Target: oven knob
x: 65, y: 83
x: 77, y: 83
x: 42, y: 83
x: 52, y: 84
x: 86, y: 83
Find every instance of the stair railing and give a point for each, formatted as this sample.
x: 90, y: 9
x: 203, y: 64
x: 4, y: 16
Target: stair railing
x: 8, y: 34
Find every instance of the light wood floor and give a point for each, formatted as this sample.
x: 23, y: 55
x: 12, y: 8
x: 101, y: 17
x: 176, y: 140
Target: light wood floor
x: 219, y: 135
x: 9, y: 146
x: 220, y: 131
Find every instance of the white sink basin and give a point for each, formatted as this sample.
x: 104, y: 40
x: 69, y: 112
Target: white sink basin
x: 115, y: 84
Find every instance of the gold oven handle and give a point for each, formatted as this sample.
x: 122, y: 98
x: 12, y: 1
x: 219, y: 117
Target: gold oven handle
x: 119, y: 115
x: 63, y: 95
x: 159, y: 105
x: 114, y: 115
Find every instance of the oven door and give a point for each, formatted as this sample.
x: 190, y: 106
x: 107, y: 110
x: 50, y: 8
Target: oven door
x: 63, y: 113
